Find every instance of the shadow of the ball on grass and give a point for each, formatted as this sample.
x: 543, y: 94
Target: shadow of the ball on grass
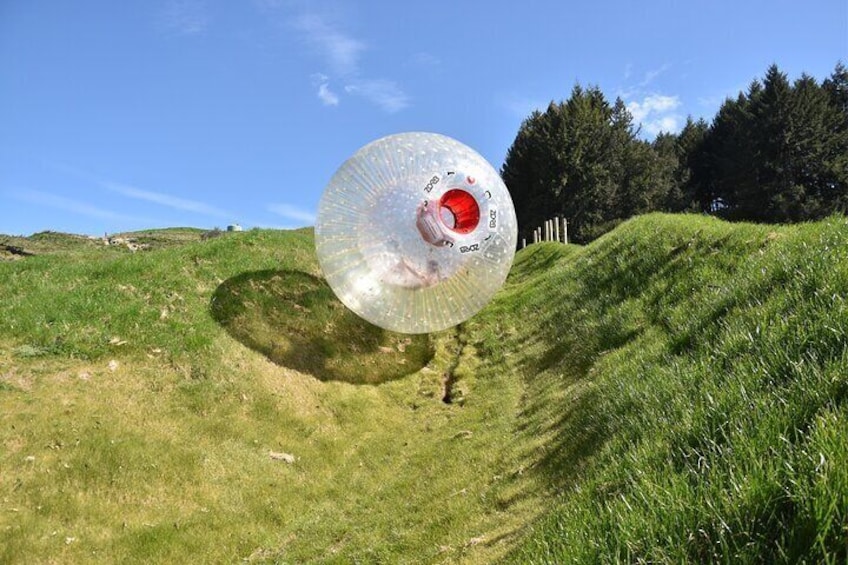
x: 295, y: 320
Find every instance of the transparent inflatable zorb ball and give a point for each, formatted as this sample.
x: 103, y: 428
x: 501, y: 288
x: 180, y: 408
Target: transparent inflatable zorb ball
x: 415, y: 232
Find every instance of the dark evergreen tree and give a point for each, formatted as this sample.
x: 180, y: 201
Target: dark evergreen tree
x: 729, y: 155
x: 648, y: 176
x: 591, y: 162
x: 836, y: 87
x: 669, y: 156
x: 769, y: 127
x: 811, y: 146
x: 521, y: 170
x: 691, y: 175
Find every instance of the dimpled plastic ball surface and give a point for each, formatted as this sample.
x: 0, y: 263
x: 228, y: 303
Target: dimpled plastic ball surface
x: 415, y: 232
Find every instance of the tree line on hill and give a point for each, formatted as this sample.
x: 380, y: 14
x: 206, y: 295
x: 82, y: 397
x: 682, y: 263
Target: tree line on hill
x: 776, y: 153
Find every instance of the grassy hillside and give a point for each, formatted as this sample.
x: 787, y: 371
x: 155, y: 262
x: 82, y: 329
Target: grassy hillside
x: 687, y: 391
x: 149, y: 403
x: 674, y: 391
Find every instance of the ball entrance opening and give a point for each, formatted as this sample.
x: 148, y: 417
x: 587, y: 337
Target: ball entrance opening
x: 459, y: 211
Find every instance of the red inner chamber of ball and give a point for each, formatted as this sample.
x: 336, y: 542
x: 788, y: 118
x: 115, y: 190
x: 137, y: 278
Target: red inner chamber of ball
x: 463, y: 207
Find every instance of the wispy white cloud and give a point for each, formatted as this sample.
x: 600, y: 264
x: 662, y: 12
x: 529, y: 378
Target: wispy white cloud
x: 652, y: 104
x: 341, y: 51
x: 167, y: 200
x: 185, y: 17
x: 657, y: 113
x: 653, y: 112
x: 663, y: 124
x: 384, y: 93
x: 633, y: 86
x: 128, y: 191
x: 292, y: 213
x: 652, y: 74
x: 72, y: 206
x: 327, y: 96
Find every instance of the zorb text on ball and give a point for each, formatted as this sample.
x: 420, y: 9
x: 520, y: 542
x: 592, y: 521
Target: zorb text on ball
x: 415, y: 232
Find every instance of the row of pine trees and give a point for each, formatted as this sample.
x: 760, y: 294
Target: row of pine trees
x: 776, y: 153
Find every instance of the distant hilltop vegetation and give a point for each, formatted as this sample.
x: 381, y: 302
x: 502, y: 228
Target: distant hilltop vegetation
x: 51, y: 242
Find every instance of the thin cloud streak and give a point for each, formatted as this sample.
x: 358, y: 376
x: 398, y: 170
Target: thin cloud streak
x: 651, y: 75
x: 163, y: 199
x: 383, y: 93
x: 292, y: 213
x: 167, y: 200
x: 73, y: 206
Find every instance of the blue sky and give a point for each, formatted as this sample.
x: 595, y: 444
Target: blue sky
x: 120, y: 116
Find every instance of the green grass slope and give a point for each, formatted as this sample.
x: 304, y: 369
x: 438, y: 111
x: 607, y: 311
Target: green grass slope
x: 689, y: 379
x: 211, y: 402
x: 673, y: 392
